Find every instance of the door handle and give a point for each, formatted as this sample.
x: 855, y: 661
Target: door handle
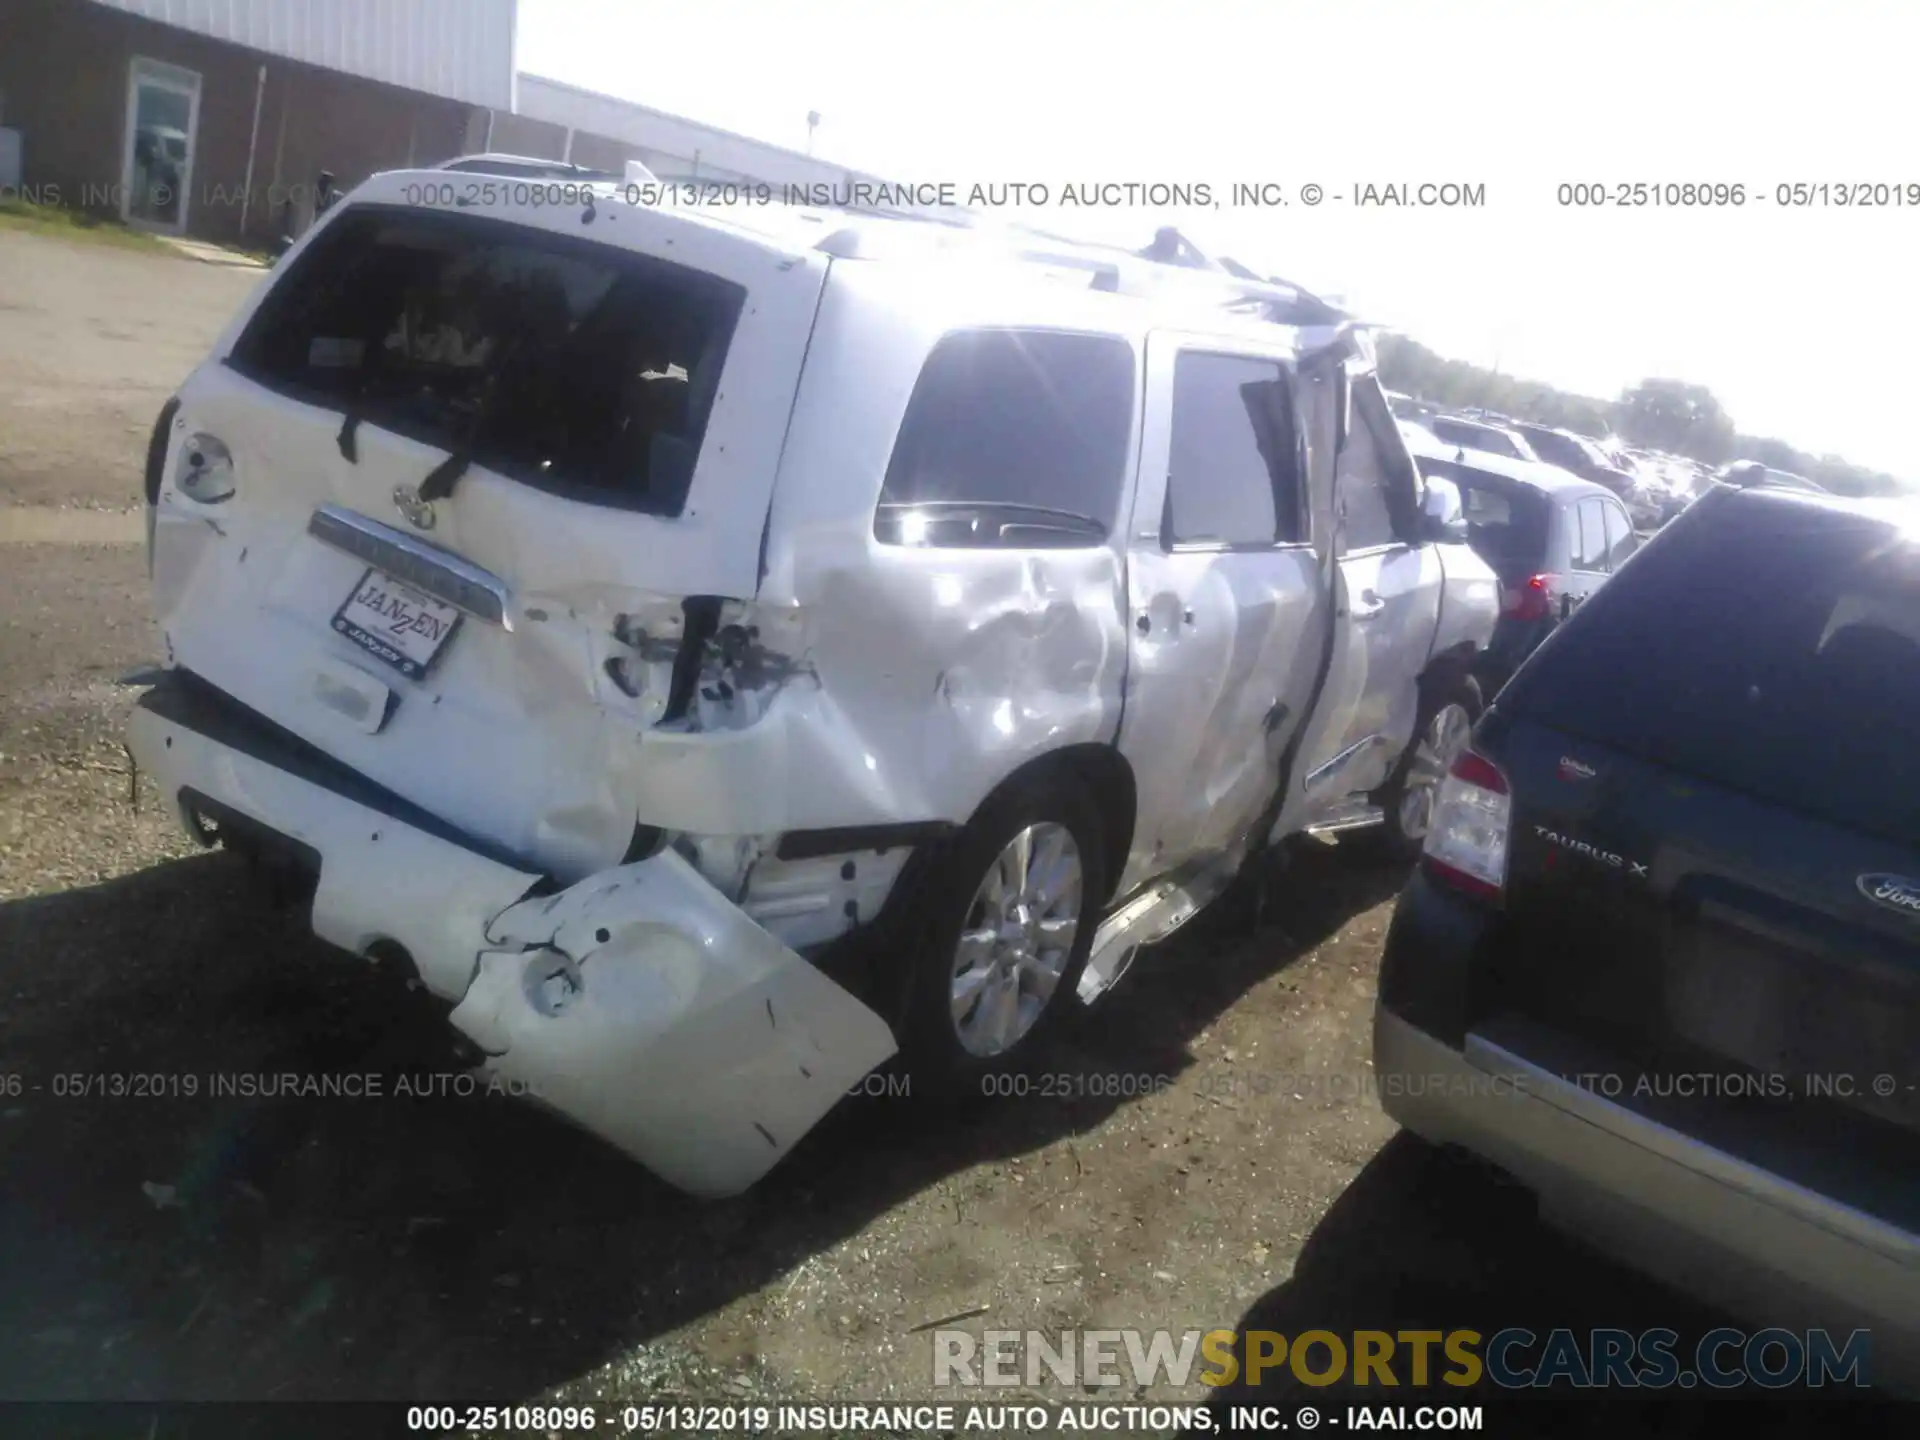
x: 1366, y: 612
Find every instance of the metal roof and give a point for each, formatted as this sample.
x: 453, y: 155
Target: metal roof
x: 459, y: 49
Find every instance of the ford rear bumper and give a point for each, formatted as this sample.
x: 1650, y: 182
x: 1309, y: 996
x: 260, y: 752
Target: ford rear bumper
x: 1697, y: 1217
x: 640, y: 1003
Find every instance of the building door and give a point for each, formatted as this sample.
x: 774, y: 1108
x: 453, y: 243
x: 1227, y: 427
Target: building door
x: 163, y: 108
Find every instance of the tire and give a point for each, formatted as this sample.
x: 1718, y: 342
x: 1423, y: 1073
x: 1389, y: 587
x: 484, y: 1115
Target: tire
x: 1450, y: 703
x: 951, y: 1042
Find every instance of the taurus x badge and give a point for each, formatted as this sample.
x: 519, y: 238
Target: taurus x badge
x: 1893, y: 891
x: 419, y: 512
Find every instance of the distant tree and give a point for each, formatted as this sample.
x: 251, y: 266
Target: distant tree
x: 1676, y: 417
x: 1774, y: 454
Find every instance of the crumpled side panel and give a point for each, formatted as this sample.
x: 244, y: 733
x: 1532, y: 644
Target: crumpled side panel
x: 915, y: 681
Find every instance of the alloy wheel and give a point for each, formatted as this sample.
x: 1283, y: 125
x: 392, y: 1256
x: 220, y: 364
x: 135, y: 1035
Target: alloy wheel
x: 1016, y: 940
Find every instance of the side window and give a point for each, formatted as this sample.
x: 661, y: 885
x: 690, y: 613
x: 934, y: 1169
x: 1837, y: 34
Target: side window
x: 1233, y: 477
x: 1590, y: 551
x: 1012, y: 438
x: 1362, y: 477
x: 1621, y: 541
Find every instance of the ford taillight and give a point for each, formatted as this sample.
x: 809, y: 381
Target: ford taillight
x: 1466, y: 844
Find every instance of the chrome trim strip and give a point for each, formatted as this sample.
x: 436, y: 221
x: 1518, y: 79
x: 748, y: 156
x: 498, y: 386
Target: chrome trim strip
x: 1364, y: 818
x: 439, y: 573
x: 1342, y: 760
x: 1836, y: 1217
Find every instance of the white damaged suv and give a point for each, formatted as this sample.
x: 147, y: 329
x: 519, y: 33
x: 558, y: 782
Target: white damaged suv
x: 720, y: 654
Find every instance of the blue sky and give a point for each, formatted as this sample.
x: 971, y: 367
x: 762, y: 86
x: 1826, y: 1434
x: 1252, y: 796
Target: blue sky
x: 1790, y: 316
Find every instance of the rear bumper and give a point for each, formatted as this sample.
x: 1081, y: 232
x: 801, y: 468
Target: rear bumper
x: 1696, y: 1217
x: 640, y: 1002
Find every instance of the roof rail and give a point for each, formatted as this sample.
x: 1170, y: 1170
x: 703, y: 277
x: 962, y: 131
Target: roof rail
x: 495, y: 162
x: 1188, y: 273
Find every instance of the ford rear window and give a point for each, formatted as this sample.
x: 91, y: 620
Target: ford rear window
x: 1767, y: 643
x: 577, y: 367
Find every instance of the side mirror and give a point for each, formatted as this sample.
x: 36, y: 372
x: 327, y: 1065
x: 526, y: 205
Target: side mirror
x: 1442, y: 516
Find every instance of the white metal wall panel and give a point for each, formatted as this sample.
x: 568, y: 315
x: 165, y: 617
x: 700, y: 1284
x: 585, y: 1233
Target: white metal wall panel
x: 670, y: 138
x: 461, y: 49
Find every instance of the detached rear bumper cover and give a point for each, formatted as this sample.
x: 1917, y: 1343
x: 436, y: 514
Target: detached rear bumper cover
x: 640, y: 1002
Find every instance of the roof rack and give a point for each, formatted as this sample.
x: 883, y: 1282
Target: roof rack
x: 1170, y: 247
x: 1170, y: 267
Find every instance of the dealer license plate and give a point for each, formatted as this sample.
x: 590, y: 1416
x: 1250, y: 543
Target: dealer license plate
x: 397, y: 623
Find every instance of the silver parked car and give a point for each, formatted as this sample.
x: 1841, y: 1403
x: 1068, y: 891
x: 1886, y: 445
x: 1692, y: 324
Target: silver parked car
x: 720, y: 651
x: 1552, y: 538
x: 1482, y: 435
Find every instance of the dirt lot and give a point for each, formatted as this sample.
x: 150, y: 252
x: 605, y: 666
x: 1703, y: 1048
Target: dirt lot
x: 93, y: 339
x: 449, y: 1247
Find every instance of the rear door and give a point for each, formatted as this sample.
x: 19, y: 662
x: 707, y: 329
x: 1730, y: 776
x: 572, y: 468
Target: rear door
x: 1588, y: 533
x: 1621, y: 541
x: 1713, y: 896
x: 599, y: 393
x: 1225, y: 595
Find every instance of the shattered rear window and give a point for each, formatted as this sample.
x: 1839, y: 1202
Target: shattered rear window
x: 577, y: 367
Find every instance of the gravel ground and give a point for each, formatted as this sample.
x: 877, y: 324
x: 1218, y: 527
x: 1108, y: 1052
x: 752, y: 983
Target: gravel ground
x: 428, y: 1246
x: 93, y: 339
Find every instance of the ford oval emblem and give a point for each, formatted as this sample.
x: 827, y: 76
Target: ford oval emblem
x: 1896, y: 892
x: 419, y: 512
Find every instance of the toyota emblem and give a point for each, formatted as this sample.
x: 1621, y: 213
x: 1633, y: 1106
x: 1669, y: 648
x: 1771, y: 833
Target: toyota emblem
x: 419, y: 512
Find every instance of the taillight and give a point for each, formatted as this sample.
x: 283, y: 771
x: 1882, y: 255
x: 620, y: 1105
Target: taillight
x: 1467, y: 840
x: 204, y: 470
x: 1532, y: 599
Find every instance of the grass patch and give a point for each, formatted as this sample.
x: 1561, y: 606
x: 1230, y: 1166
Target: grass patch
x: 60, y: 222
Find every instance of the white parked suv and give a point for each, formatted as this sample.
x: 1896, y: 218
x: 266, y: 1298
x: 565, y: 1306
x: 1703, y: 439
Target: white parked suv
x: 719, y: 657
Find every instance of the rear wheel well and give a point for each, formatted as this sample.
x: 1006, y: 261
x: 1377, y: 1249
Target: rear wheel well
x: 1455, y: 662
x: 1108, y: 780
x: 867, y: 959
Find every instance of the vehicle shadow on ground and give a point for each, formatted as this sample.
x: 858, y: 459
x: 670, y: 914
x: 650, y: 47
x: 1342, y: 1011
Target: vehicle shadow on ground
x: 161, y: 1244
x: 1425, y: 1240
